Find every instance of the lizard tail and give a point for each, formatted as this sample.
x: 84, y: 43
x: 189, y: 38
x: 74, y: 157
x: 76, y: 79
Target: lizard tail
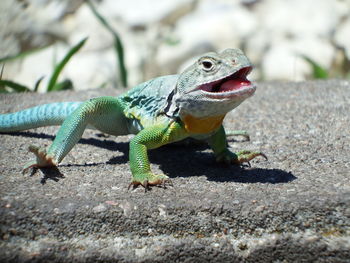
x: 39, y: 116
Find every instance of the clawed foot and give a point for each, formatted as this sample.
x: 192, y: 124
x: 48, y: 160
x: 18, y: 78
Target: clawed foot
x: 148, y: 179
x: 239, y: 157
x: 42, y: 159
x: 246, y: 156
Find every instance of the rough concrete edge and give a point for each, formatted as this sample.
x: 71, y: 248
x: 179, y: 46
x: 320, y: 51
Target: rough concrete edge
x: 307, y: 246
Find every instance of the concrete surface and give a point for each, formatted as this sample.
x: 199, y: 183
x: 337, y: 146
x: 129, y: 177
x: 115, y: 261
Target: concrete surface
x: 292, y: 208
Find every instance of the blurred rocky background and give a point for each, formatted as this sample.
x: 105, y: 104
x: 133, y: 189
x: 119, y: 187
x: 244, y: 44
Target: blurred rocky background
x: 286, y: 40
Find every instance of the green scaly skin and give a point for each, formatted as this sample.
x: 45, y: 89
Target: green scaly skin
x: 160, y: 111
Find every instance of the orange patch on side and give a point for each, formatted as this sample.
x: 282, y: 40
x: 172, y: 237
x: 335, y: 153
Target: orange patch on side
x: 202, y: 125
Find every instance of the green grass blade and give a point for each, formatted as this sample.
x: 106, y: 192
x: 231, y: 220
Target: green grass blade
x: 37, y: 84
x: 60, y: 66
x: 119, y: 49
x: 2, y: 70
x: 64, y: 85
x: 118, y: 45
x: 13, y: 85
x: 318, y: 72
x: 20, y: 55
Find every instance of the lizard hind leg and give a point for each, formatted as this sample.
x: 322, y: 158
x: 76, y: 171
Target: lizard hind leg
x: 72, y: 129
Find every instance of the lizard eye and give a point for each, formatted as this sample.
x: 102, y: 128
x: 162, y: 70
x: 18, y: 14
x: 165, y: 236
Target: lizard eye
x: 207, y: 65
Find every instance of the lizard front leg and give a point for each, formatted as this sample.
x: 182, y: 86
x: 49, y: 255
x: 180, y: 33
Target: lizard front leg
x: 218, y: 143
x: 151, y: 138
x: 96, y: 112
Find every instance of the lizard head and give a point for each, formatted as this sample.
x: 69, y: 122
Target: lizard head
x: 214, y: 85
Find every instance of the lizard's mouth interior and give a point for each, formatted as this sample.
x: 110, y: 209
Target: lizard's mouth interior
x: 233, y: 82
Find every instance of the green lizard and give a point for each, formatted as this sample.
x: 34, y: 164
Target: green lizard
x: 160, y: 111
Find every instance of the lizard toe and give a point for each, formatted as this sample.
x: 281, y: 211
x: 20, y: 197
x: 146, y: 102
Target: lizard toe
x: 246, y: 156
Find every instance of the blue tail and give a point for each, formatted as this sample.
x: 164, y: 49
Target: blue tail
x: 39, y: 116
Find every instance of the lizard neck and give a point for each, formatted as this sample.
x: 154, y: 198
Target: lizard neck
x: 202, y: 125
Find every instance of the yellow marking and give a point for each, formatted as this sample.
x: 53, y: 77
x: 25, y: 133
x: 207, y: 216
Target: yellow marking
x: 202, y: 125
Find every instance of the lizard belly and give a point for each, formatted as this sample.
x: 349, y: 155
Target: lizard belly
x: 202, y: 125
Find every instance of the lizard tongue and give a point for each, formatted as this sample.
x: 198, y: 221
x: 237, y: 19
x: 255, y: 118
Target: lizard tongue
x: 233, y: 84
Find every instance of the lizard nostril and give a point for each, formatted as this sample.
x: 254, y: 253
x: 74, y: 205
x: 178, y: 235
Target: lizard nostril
x: 233, y: 61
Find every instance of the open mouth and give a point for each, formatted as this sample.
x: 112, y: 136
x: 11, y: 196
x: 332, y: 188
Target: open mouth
x: 229, y: 85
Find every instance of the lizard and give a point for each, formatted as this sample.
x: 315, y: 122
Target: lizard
x: 160, y: 111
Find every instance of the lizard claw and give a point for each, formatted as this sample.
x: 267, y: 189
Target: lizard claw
x: 30, y: 166
x: 169, y: 182
x: 146, y: 186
